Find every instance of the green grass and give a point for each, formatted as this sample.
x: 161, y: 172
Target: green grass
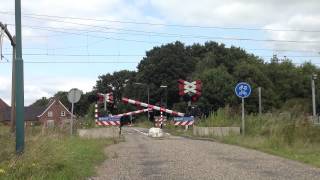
x: 287, y: 135
x: 220, y: 118
x: 300, y: 151
x: 50, y: 156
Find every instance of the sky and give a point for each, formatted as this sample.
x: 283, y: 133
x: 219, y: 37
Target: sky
x: 68, y: 44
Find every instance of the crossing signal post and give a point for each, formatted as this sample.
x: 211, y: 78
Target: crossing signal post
x: 105, y: 98
x: 191, y: 90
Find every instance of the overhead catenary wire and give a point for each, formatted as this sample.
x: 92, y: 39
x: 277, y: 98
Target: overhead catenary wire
x: 247, y: 49
x: 148, y: 33
x: 67, y: 31
x: 79, y: 55
x: 76, y: 62
x: 104, y: 62
x: 160, y: 24
x: 134, y: 55
x: 94, y: 36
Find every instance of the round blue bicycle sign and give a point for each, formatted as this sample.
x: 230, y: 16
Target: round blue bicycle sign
x: 242, y: 90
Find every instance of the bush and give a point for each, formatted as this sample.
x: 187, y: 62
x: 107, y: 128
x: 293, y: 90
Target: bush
x: 279, y: 128
x: 222, y: 117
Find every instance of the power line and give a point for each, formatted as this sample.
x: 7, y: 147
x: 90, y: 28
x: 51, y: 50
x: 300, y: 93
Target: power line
x: 95, y: 36
x: 130, y: 55
x: 184, y: 35
x: 247, y: 49
x: 176, y: 35
x: 78, y: 55
x: 76, y: 62
x: 101, y: 62
x: 163, y: 24
x: 284, y: 50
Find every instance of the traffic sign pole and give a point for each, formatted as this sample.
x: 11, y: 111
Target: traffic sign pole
x: 242, y: 90
x: 242, y: 118
x: 71, y: 121
x: 74, y: 96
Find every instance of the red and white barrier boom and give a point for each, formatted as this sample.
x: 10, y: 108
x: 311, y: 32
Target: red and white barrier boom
x: 114, y: 120
x: 132, y: 113
x: 149, y: 106
x: 183, y: 121
x: 105, y: 121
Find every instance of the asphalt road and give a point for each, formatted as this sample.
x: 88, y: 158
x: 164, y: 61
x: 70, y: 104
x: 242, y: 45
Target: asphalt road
x: 141, y: 157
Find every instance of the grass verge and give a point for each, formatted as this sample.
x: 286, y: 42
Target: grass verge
x: 50, y: 156
x: 300, y: 151
x: 282, y: 134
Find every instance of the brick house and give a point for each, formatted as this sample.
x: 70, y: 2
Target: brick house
x: 54, y: 114
x: 4, y: 107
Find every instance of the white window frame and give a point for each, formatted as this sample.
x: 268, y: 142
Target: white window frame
x: 50, y: 113
x: 50, y: 123
x: 63, y: 113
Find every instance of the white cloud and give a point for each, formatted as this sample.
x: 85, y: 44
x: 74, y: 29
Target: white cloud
x: 284, y: 14
x: 37, y: 87
x: 5, y: 88
x: 274, y: 14
x: 299, y: 22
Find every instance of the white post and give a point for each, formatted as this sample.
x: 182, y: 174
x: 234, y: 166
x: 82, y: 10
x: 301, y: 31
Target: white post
x: 105, y: 105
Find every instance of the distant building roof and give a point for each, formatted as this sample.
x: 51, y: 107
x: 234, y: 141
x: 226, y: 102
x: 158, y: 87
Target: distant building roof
x: 30, y: 112
x: 3, y: 105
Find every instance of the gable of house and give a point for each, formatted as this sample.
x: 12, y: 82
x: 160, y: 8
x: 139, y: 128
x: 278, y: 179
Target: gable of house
x: 4, y: 107
x: 56, y: 112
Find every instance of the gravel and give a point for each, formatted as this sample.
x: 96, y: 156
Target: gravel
x: 141, y: 157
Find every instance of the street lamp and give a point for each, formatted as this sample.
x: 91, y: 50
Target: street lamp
x: 148, y: 94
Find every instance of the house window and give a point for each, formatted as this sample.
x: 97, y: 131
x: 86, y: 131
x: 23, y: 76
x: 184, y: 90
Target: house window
x: 50, y: 114
x: 63, y: 113
x: 50, y: 123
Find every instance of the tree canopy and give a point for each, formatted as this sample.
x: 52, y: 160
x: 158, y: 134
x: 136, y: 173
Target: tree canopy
x: 219, y: 67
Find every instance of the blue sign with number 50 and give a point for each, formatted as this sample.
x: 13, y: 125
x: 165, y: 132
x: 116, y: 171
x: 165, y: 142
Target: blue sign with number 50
x: 242, y: 90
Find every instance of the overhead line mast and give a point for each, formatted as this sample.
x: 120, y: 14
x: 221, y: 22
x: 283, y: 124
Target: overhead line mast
x: 13, y: 98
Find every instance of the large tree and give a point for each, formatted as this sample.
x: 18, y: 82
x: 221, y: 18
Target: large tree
x: 164, y: 66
